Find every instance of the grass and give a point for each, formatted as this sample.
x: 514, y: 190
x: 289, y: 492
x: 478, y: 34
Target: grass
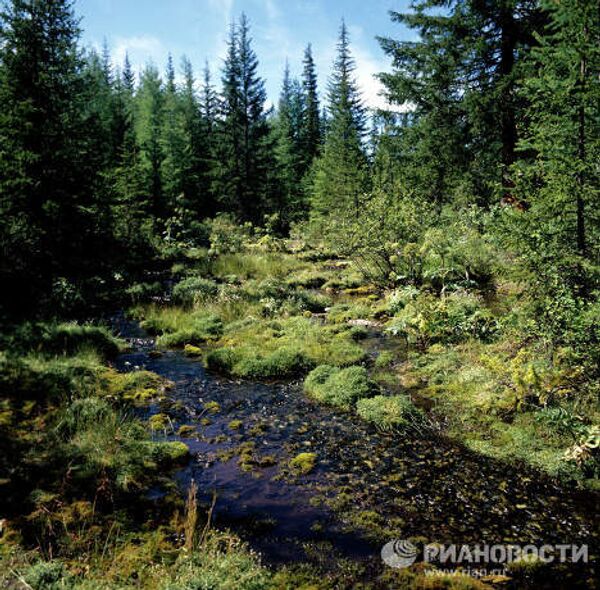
x: 338, y: 387
x: 256, y: 265
x: 491, y: 397
x: 66, y: 339
x: 265, y: 349
x: 389, y: 412
x: 176, y: 327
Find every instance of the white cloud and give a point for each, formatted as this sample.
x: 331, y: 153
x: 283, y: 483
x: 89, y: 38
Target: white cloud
x: 141, y: 49
x: 367, y: 68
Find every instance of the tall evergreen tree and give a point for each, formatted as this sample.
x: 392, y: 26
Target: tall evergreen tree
x: 51, y: 219
x: 461, y: 80
x: 242, y: 180
x: 558, y: 175
x: 311, y: 135
x: 288, y: 150
x: 149, y: 119
x: 341, y: 176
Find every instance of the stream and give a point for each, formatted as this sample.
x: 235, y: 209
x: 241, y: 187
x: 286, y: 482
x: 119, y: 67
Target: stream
x: 367, y: 487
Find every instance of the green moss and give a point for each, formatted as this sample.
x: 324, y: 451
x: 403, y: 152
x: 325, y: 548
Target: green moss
x: 192, y: 351
x: 159, y: 422
x: 235, y: 425
x: 389, y: 412
x: 303, y: 463
x: 200, y: 330
x: 186, y: 431
x: 177, y: 327
x: 135, y: 386
x: 338, y: 387
x: 267, y: 349
x: 212, y: 407
x: 343, y: 312
x: 171, y: 452
x: 384, y: 359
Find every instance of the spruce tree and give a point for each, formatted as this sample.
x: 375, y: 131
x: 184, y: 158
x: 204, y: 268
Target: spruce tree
x: 311, y: 135
x: 288, y: 154
x: 243, y: 148
x: 50, y: 214
x: 461, y: 80
x: 557, y: 177
x: 341, y: 176
x: 149, y: 119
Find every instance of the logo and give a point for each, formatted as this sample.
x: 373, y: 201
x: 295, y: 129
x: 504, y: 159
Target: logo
x: 399, y: 553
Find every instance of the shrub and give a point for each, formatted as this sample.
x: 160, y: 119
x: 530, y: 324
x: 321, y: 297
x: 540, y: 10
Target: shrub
x: 144, y: 291
x: 194, y: 291
x: 338, y: 387
x: 454, y: 318
x: 227, y: 236
x: 388, y: 412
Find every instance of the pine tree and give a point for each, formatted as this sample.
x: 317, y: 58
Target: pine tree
x: 341, y: 177
x: 149, y: 125
x: 461, y: 79
x: 311, y: 135
x: 51, y: 217
x: 243, y: 147
x: 288, y: 146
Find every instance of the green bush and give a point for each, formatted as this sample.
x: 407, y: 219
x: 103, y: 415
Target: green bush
x: 427, y: 319
x: 388, y: 412
x: 338, y: 387
x: 194, y: 291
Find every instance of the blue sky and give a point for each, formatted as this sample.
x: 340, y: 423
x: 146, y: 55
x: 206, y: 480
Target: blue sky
x: 149, y: 29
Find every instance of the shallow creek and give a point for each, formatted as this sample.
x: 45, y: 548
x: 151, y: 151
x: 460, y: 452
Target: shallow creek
x: 367, y: 487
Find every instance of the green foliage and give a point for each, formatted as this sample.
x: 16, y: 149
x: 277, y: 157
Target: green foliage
x: 176, y: 327
x: 341, y: 173
x: 457, y: 317
x: 52, y: 339
x: 194, y: 291
x: 389, y: 412
x: 338, y: 387
x: 264, y: 349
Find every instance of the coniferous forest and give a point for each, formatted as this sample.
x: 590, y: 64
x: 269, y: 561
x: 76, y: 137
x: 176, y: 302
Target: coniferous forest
x: 245, y: 346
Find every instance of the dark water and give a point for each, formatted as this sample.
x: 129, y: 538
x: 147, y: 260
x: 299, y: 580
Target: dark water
x: 382, y: 486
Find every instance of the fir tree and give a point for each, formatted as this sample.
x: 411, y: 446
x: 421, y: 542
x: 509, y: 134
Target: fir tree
x: 341, y: 172
x: 311, y: 116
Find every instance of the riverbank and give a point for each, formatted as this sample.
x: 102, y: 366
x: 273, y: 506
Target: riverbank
x: 325, y: 415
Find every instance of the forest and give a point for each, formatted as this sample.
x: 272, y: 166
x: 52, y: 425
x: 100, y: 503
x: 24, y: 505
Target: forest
x: 245, y: 346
